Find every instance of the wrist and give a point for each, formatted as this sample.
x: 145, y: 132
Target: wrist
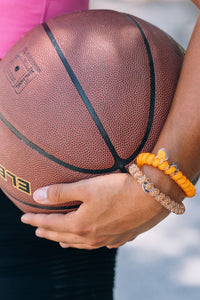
x: 164, y: 183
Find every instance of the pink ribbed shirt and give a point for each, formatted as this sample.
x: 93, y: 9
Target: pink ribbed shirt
x: 19, y: 16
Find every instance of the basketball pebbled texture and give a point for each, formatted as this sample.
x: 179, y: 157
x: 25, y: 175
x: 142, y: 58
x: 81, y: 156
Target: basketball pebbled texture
x: 82, y: 95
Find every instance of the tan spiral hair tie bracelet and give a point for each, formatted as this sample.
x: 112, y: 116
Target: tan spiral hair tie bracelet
x: 148, y: 187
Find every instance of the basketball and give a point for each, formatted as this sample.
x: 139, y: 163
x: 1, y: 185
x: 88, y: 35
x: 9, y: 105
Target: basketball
x: 81, y: 96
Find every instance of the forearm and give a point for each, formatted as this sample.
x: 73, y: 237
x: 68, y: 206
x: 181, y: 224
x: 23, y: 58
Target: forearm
x: 181, y: 133
x: 196, y: 2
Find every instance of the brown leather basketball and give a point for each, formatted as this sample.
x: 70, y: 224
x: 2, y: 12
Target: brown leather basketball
x: 80, y: 96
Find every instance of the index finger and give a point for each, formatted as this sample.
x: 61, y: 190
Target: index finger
x: 54, y: 222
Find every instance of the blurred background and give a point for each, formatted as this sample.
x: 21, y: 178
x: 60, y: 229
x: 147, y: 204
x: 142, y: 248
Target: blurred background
x: 163, y: 263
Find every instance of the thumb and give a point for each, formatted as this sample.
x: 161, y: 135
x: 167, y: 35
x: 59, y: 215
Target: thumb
x: 59, y: 193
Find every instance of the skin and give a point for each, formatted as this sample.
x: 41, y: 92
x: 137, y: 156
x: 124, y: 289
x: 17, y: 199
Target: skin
x: 114, y: 207
x: 196, y: 2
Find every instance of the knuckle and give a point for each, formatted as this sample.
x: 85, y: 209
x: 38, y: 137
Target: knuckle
x: 96, y: 241
x: 54, y: 235
x: 83, y: 228
x: 54, y: 193
x: 80, y: 229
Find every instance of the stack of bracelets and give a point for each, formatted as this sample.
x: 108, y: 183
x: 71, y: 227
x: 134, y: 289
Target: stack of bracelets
x: 160, y: 161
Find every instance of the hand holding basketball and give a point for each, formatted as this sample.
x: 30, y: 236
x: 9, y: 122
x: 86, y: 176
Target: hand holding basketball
x: 80, y: 96
x: 114, y: 210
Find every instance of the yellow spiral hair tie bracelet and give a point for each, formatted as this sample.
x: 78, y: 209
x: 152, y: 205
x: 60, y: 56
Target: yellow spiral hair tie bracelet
x: 148, y: 187
x: 160, y: 161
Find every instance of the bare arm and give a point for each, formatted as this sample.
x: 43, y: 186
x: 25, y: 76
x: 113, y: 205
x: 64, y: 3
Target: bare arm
x: 197, y: 2
x: 181, y: 133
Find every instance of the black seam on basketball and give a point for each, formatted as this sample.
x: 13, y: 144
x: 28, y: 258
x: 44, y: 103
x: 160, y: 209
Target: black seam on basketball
x: 81, y: 92
x: 152, y: 92
x: 119, y: 162
x: 42, y: 206
x: 50, y: 156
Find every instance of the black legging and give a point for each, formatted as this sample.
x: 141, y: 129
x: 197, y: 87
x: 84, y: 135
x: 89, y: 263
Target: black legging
x: 33, y: 268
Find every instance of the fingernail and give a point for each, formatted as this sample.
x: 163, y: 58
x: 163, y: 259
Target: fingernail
x: 63, y: 245
x: 38, y: 232
x: 40, y: 195
x: 24, y: 219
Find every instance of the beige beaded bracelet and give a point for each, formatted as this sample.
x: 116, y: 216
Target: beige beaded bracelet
x: 166, y: 201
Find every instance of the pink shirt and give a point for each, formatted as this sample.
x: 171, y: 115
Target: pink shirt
x: 19, y: 16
